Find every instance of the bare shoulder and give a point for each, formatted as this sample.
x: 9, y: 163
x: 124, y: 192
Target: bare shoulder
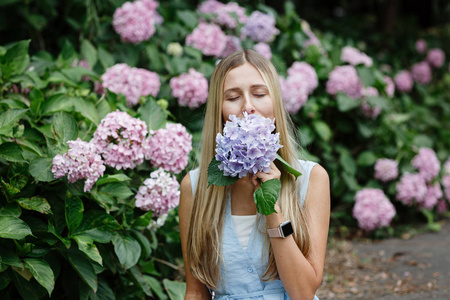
x: 186, y: 184
x: 185, y: 194
x: 319, y: 175
x: 318, y: 194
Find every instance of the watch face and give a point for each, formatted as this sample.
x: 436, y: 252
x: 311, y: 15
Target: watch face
x: 287, y: 229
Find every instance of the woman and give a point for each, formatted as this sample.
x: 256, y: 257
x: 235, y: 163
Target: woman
x: 227, y: 249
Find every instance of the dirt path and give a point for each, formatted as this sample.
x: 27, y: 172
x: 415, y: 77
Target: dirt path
x: 415, y: 268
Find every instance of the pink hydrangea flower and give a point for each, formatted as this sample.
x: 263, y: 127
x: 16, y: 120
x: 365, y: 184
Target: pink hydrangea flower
x: 210, y: 6
x: 294, y: 92
x: 134, y: 21
x: 373, y: 209
x: 442, y: 206
x: 427, y: 163
x: 208, y: 38
x: 159, y: 193
x: 421, y: 72
x: 119, y: 138
x: 421, y: 46
x: 404, y: 81
x: 307, y: 72
x: 80, y: 162
x: 225, y: 18
x: 390, y: 86
x: 432, y: 196
x: 169, y: 148
x: 233, y: 43
x: 446, y: 184
x: 191, y: 89
x: 264, y: 50
x: 410, y: 187
x: 355, y: 57
x: 367, y: 109
x: 436, y: 57
x: 260, y: 27
x: 386, y: 169
x: 131, y: 82
x: 345, y: 79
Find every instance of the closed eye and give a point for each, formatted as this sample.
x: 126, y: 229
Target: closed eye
x: 260, y: 95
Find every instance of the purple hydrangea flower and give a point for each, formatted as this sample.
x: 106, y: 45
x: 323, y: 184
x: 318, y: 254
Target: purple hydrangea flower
x: 260, y: 27
x: 436, y: 57
x: 386, y: 169
x: 410, y: 187
x: 404, y: 81
x: 247, y: 145
x: 159, y: 193
x: 427, y: 163
x: 208, y: 38
x: 134, y: 21
x: 421, y: 46
x: 390, y: 86
x: 191, y: 89
x: 169, y: 148
x: 210, y: 6
x: 80, y: 162
x: 421, y: 72
x: 225, y: 18
x: 119, y: 138
x: 131, y: 82
x: 355, y: 57
x: 372, y: 209
x: 345, y: 79
x: 233, y: 43
x: 264, y: 50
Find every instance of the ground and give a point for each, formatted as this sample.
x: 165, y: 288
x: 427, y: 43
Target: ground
x: 409, y: 268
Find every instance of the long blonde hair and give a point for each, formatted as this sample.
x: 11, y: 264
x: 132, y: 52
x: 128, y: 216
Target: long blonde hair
x: 204, y: 250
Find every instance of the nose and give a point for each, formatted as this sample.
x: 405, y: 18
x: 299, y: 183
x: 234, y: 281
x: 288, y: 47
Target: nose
x: 248, y: 105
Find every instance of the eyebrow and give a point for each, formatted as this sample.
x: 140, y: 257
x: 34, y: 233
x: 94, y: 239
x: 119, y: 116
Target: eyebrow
x: 254, y: 86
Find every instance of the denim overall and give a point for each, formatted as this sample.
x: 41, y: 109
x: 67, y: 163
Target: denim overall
x: 242, y: 269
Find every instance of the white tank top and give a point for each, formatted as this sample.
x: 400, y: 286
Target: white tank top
x: 243, y: 226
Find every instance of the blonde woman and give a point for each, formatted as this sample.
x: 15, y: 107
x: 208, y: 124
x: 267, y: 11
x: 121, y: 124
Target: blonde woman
x: 231, y: 252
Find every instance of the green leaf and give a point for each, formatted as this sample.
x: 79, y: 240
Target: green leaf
x: 56, y: 103
x: 36, y: 203
x: 216, y: 177
x: 422, y: 140
x: 152, y: 114
x: 367, y: 158
x: 345, y: 103
x: 89, y: 52
x: 117, y: 189
x: 94, y: 219
x: 267, y: 195
x: 288, y: 167
x: 188, y: 17
x: 13, y: 228
x: 74, y: 213
x: 11, y: 152
x: 8, y: 257
x: 143, y: 221
x: 64, y: 127
x: 9, y: 118
x: 348, y: 163
x: 28, y: 290
x: 127, y: 250
x: 87, y: 246
x: 106, y: 59
x: 154, y: 57
x: 41, y: 169
x: 5, y: 280
x: 15, y: 60
x: 156, y: 287
x: 36, y: 99
x: 112, y: 178
x: 41, y: 272
x: 312, y: 54
x: 323, y: 130
x: 175, y: 289
x: 11, y: 209
x: 366, y: 76
x: 140, y: 280
x: 143, y: 241
x: 377, y: 101
x: 84, y: 268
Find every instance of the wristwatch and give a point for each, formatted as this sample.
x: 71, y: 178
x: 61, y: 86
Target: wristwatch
x: 284, y: 230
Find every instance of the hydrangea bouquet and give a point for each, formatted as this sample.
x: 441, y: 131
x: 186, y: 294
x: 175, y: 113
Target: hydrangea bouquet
x: 249, y: 146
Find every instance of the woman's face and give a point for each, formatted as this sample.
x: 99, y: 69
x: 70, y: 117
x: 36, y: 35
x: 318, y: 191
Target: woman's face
x: 245, y: 90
